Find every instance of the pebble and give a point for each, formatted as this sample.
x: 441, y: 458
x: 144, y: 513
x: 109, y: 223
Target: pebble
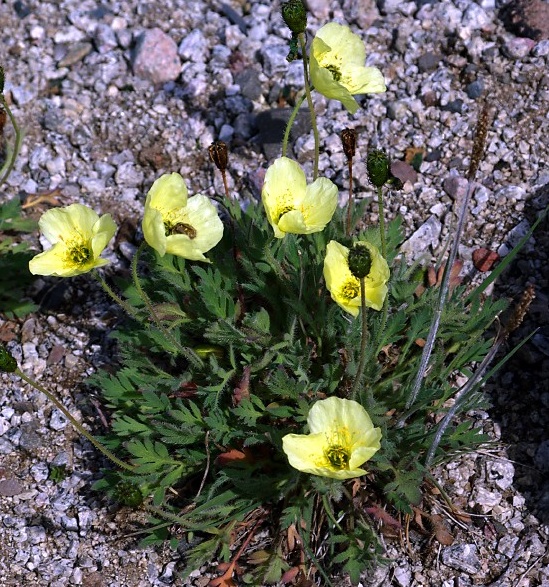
x: 462, y: 557
x: 155, y: 57
x: 518, y: 48
x: 424, y: 238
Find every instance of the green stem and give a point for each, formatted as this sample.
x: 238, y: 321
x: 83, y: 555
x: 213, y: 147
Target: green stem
x: 290, y: 124
x: 186, y: 351
x: 310, y: 102
x: 128, y: 308
x: 381, y: 222
x: 74, y: 422
x: 329, y: 513
x: 18, y: 139
x: 363, y: 340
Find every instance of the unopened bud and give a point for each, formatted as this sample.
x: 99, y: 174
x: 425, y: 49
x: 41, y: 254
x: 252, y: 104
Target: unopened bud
x: 359, y: 261
x: 219, y: 155
x: 294, y: 15
x: 378, y: 168
x: 348, y: 138
x: 7, y: 363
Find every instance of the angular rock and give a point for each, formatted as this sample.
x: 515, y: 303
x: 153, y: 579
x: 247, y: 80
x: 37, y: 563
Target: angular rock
x: 155, y: 57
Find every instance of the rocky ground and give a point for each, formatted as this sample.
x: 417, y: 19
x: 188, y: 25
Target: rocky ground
x: 111, y: 95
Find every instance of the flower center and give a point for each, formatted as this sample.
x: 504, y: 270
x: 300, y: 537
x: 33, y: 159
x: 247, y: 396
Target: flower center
x: 281, y: 211
x: 338, y: 456
x: 336, y: 74
x: 79, y: 254
x: 350, y: 289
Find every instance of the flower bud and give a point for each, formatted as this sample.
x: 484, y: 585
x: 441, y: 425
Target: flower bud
x: 128, y: 494
x: 294, y: 15
x: 7, y: 363
x: 359, y: 261
x: 219, y: 155
x: 378, y: 168
x: 348, y: 138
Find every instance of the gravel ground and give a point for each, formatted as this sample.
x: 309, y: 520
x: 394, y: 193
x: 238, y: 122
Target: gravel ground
x: 111, y: 95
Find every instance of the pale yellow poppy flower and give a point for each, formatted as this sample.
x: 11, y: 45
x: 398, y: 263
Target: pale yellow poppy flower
x: 293, y: 206
x: 344, y: 287
x: 78, y: 236
x: 178, y: 225
x: 337, y: 66
x: 341, y: 438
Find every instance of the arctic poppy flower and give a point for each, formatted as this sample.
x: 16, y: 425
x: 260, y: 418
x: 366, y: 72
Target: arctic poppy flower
x: 337, y: 66
x: 293, y: 206
x: 341, y: 439
x: 178, y: 225
x: 78, y: 236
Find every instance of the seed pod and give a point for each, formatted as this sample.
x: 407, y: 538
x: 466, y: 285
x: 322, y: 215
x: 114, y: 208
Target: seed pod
x: 378, y: 167
x: 348, y: 139
x: 219, y: 155
x: 294, y: 15
x: 359, y: 261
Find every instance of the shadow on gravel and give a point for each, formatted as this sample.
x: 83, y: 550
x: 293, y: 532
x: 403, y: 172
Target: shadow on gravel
x: 520, y: 391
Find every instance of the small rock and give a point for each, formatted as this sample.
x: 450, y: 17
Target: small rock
x: 427, y: 235
x: 75, y: 53
x: 428, y: 62
x: 474, y: 89
x: 506, y: 545
x: 541, y: 49
x: 501, y: 472
x: 455, y: 186
x: 155, y: 57
x: 453, y: 106
x: 510, y: 192
x: 462, y: 557
x: 128, y: 174
x: 475, y: 17
x: 518, y: 48
x: 397, y: 110
x: 485, y: 499
x: 403, y: 575
x: 11, y: 487
x: 194, y: 47
x: 319, y: 8
x: 249, y: 82
x: 104, y: 38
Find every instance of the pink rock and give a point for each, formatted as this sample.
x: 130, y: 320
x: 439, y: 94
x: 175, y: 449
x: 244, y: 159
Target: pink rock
x: 155, y: 57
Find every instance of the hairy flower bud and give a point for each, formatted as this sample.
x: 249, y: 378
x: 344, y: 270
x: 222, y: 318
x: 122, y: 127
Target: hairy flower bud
x: 348, y: 138
x: 219, y: 155
x: 7, y: 363
x: 294, y: 15
x: 359, y: 261
x: 378, y: 168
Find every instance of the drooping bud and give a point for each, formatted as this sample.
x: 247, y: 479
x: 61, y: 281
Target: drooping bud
x: 294, y: 15
x: 348, y: 138
x: 359, y: 261
x: 7, y: 363
x: 219, y: 155
x: 377, y: 164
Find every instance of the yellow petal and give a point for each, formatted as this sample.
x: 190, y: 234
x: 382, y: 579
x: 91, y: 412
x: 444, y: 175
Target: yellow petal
x: 59, y: 223
x: 154, y: 230
x: 168, y: 192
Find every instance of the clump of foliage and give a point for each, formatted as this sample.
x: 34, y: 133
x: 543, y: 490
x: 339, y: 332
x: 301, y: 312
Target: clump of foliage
x: 283, y: 368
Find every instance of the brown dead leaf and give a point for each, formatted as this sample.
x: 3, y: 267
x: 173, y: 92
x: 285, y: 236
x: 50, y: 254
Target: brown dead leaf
x: 484, y: 259
x: 441, y: 532
x: 242, y: 390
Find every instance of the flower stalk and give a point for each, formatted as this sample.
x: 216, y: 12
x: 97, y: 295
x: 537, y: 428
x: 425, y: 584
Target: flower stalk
x: 81, y: 430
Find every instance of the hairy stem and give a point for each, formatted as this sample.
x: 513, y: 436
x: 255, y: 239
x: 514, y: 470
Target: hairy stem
x: 303, y: 45
x: 74, y: 422
x: 363, y: 340
x: 290, y: 123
